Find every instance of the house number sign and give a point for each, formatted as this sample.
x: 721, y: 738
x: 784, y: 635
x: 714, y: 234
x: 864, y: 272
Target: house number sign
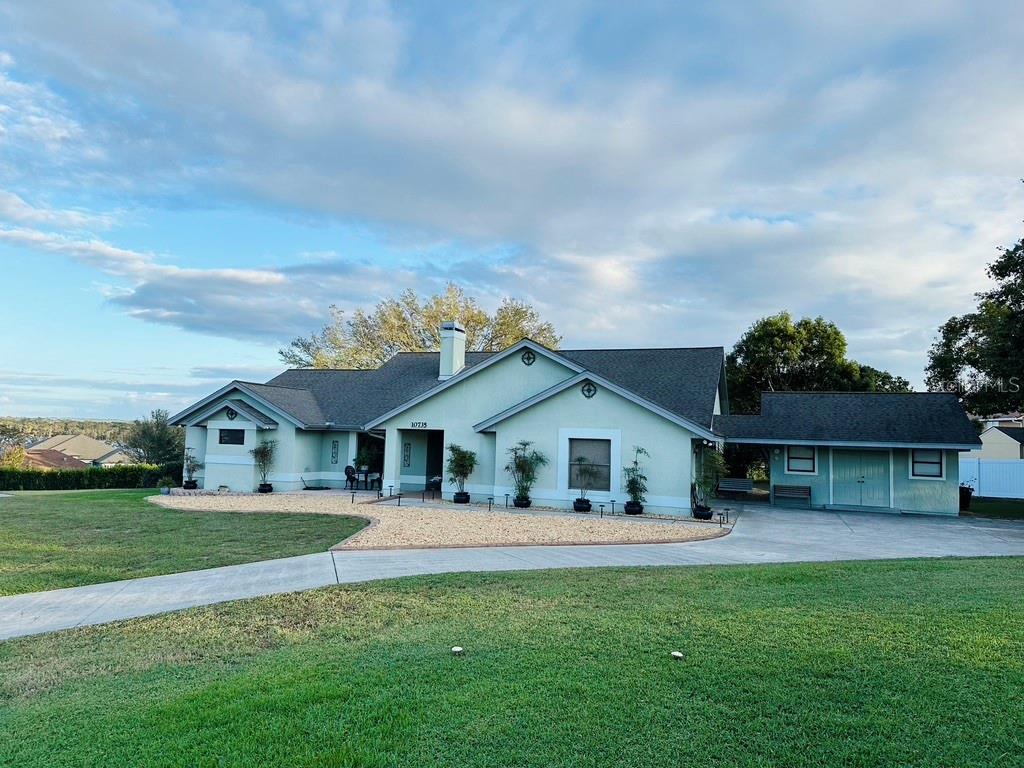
x: 418, y: 424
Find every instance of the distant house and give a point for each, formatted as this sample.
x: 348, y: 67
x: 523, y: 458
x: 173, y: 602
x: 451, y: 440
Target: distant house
x: 1012, y: 419
x: 88, y: 450
x: 47, y: 458
x: 1002, y: 443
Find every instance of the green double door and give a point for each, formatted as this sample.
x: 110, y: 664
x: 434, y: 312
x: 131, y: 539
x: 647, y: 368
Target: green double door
x: 860, y: 478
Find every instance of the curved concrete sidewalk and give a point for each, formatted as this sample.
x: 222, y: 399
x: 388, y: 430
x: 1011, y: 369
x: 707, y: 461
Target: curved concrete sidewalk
x: 762, y: 535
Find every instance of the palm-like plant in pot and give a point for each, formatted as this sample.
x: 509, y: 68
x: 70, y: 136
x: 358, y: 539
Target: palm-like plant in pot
x: 636, y: 482
x: 263, y: 456
x: 190, y: 466
x: 586, y: 475
x: 461, y: 463
x: 523, y: 463
x: 712, y: 469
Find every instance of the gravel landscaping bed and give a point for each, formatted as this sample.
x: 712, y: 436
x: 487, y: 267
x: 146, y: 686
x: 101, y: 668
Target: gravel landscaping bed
x: 447, y: 525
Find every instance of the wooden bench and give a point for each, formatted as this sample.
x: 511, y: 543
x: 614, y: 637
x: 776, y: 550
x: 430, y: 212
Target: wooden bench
x: 799, y: 492
x: 735, y: 485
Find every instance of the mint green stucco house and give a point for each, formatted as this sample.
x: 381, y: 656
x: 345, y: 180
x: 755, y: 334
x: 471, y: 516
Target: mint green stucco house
x: 860, y: 451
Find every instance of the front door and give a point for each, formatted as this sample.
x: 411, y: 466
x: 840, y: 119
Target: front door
x: 860, y: 478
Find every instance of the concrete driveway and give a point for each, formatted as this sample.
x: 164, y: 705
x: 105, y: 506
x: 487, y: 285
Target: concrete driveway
x: 762, y: 535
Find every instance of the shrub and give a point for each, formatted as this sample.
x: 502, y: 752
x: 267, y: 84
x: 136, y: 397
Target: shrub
x: 120, y: 476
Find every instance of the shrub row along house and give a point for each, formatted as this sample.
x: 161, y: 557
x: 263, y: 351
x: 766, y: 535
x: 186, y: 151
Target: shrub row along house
x: 884, y: 452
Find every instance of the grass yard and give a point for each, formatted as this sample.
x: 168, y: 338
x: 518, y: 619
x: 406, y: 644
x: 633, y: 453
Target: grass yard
x: 51, y: 540
x: 1006, y: 509
x: 867, y: 664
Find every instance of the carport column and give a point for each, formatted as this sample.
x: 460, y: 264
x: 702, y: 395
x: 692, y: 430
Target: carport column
x: 353, y: 446
x: 392, y: 459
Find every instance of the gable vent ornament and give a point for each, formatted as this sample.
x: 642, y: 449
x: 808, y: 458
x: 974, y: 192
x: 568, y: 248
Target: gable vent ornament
x: 589, y: 389
x: 231, y: 413
x: 528, y: 357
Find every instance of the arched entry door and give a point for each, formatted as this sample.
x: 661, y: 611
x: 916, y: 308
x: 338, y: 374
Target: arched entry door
x: 860, y: 478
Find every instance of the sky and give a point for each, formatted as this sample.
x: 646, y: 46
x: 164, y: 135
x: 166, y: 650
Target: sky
x: 186, y: 187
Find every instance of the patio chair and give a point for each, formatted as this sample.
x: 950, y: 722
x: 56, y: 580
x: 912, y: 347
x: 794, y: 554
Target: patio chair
x: 351, y: 478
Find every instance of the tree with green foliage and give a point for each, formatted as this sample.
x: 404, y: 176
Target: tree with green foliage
x: 410, y: 324
x: 777, y: 354
x: 981, y: 354
x: 155, y: 440
x: 13, y: 457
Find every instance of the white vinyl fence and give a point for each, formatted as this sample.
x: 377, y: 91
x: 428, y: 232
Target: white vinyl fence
x: 995, y: 479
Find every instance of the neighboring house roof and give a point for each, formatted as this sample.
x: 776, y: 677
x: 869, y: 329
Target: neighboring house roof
x: 1017, y: 433
x: 83, y: 447
x: 861, y: 418
x: 49, y: 458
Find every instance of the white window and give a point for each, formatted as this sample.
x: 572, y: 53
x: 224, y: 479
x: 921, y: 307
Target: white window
x: 926, y: 463
x: 598, y: 454
x: 800, y: 458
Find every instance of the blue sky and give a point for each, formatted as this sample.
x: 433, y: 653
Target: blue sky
x: 184, y: 188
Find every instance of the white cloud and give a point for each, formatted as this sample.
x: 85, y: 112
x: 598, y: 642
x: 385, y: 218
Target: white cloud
x: 855, y: 162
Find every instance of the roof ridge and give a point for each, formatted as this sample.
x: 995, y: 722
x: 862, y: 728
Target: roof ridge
x: 274, y: 386
x: 635, y: 349
x: 842, y: 392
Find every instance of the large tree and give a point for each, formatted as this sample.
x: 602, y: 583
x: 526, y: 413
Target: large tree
x: 411, y: 324
x: 778, y: 354
x: 155, y: 440
x: 981, y: 354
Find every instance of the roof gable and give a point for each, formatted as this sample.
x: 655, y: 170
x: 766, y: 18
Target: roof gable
x: 1014, y: 433
x: 579, y: 378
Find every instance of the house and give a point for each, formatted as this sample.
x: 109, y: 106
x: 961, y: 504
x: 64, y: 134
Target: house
x: 92, y: 452
x: 887, y: 452
x: 1001, y: 443
x: 1011, y: 419
x: 47, y: 459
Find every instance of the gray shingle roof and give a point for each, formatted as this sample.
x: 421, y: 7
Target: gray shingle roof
x: 349, y: 398
x: 683, y: 381
x: 919, y: 418
x: 1017, y: 433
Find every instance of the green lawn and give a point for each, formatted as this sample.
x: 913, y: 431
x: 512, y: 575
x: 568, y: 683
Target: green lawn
x: 867, y: 664
x: 1007, y: 509
x: 50, y: 540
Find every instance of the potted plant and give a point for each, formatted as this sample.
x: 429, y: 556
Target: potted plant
x: 363, y: 458
x: 190, y: 466
x: 636, y: 482
x: 712, y: 469
x: 461, y: 463
x: 966, y: 492
x: 523, y: 463
x: 164, y: 484
x: 586, y: 476
x: 263, y: 455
